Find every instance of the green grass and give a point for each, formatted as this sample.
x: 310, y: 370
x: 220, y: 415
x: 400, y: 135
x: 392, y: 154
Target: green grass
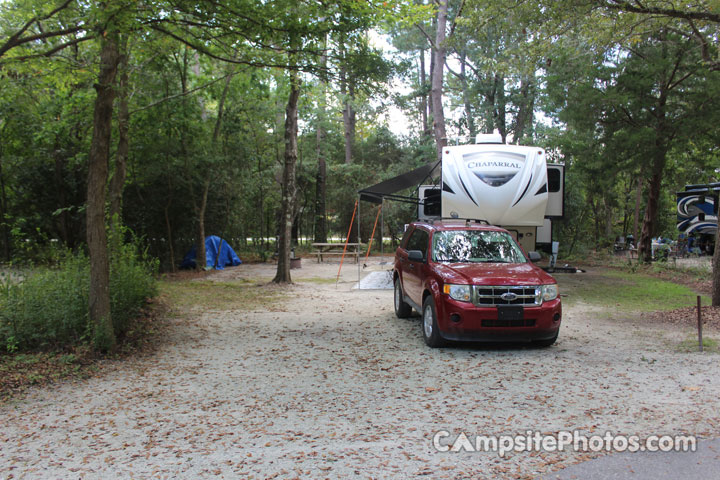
x: 691, y: 345
x: 20, y: 370
x: 220, y: 295
x: 319, y: 280
x: 625, y: 291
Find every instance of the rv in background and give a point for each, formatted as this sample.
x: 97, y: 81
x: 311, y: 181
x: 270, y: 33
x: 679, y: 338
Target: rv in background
x: 509, y: 186
x: 697, y: 215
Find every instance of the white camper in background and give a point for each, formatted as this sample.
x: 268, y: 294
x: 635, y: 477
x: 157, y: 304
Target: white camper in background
x: 510, y: 186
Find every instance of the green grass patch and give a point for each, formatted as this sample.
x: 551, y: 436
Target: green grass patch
x: 20, y: 370
x: 691, y: 345
x: 208, y: 294
x: 625, y: 291
x: 318, y: 280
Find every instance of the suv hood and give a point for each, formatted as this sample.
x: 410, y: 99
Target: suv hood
x: 493, y: 274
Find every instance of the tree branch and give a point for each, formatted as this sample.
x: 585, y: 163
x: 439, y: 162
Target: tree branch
x: 205, y: 51
x: 623, y: 5
x: 50, y: 52
x: 15, y: 39
x: 183, y: 94
x: 429, y: 39
x: 453, y: 24
x: 29, y: 23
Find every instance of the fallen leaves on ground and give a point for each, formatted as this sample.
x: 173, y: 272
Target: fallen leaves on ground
x: 688, y: 316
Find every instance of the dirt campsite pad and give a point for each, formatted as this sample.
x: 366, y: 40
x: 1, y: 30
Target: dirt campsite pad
x: 323, y: 381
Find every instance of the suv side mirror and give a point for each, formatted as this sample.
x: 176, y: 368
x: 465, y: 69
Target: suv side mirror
x: 534, y: 257
x: 415, y: 256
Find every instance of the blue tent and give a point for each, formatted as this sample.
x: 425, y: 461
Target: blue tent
x: 227, y: 256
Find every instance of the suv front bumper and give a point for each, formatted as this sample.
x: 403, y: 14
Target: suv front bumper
x: 463, y: 321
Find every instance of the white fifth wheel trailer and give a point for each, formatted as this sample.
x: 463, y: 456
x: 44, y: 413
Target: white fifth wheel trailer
x: 510, y: 186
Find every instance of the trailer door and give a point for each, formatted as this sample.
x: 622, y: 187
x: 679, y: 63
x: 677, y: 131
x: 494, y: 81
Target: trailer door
x: 556, y: 191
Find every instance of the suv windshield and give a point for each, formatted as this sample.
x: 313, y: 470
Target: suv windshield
x: 474, y: 246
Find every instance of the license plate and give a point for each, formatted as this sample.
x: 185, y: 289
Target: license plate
x: 510, y: 312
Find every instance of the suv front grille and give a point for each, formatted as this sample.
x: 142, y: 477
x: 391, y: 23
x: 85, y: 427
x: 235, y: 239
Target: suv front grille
x: 520, y: 322
x: 485, y: 296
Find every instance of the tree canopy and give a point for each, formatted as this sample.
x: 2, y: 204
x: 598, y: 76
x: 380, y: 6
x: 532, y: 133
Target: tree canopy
x: 175, y: 117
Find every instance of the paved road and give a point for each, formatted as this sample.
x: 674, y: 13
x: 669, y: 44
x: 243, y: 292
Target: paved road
x: 703, y: 464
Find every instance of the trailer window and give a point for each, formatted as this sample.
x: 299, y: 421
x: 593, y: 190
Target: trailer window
x: 431, y: 202
x: 554, y: 180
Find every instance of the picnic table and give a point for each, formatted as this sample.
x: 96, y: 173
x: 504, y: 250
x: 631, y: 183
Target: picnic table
x: 336, y: 249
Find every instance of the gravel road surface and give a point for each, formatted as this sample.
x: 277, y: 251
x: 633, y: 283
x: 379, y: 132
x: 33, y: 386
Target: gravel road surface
x: 330, y: 384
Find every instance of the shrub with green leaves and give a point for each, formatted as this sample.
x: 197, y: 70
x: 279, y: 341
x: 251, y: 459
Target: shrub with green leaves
x: 49, y: 308
x: 132, y: 281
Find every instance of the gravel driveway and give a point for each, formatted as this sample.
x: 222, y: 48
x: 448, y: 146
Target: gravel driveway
x: 333, y: 385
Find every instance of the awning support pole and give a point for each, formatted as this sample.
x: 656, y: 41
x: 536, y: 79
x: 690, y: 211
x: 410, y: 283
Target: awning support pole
x: 372, y: 236
x: 347, y: 239
x: 382, y: 231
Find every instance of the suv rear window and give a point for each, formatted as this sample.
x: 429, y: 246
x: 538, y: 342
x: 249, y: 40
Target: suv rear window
x: 474, y: 246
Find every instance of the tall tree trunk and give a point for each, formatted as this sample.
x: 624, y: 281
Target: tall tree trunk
x: 4, y: 227
x: 467, y: 101
x: 608, y: 218
x: 168, y: 226
x: 524, y: 122
x: 596, y: 220
x: 288, y: 181
x: 429, y: 129
x: 201, y: 257
x: 423, y: 95
x: 638, y: 201
x: 658, y: 168
x: 489, y: 108
x: 320, y: 224
x: 500, y: 107
x: 117, y: 182
x: 437, y: 79
x: 221, y: 109
x: 99, y: 296
x: 347, y: 90
x: 320, y: 198
x: 648, y: 226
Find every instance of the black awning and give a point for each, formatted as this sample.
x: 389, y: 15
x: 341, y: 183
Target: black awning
x: 388, y: 188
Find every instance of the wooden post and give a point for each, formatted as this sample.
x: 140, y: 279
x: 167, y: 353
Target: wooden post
x: 699, y: 311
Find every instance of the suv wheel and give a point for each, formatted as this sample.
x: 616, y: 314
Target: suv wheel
x: 430, y: 331
x: 545, y: 343
x: 402, y: 309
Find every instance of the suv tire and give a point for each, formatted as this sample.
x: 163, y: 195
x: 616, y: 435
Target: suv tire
x: 430, y: 330
x: 402, y: 309
x: 545, y: 343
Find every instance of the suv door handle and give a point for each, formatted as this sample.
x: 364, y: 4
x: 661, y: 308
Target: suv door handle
x: 411, y: 265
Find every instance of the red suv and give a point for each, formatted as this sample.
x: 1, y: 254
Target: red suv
x: 473, y: 282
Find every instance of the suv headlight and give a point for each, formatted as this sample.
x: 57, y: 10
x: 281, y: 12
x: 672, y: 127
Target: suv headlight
x: 458, y: 292
x: 549, y: 292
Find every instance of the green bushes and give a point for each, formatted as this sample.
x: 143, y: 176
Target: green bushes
x: 49, y: 308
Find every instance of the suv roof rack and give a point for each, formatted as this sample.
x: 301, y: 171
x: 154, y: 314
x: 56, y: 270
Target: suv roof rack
x: 467, y: 221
